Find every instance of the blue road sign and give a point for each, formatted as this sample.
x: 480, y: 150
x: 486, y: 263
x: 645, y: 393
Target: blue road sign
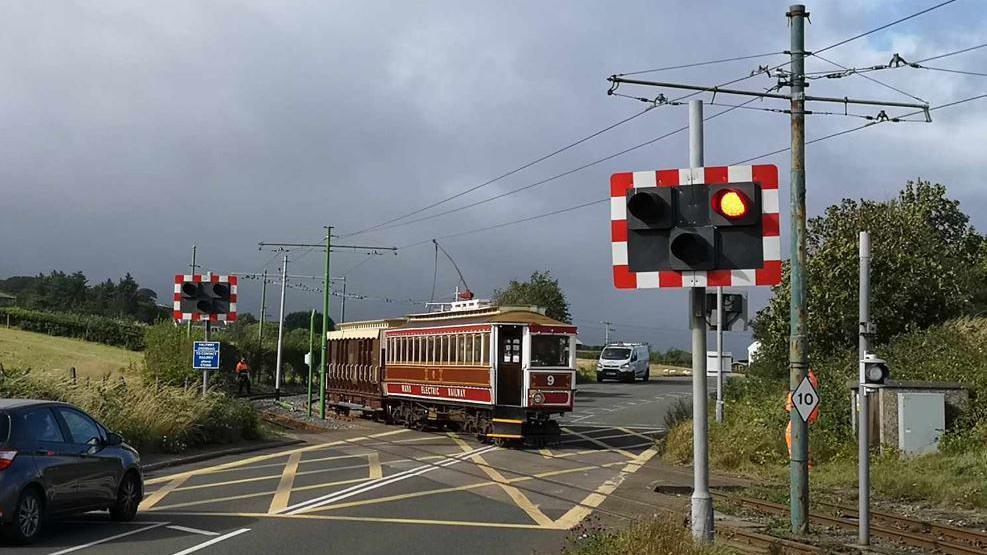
x: 205, y: 355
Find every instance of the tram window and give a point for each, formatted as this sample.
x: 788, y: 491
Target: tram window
x: 454, y: 349
x: 549, y: 350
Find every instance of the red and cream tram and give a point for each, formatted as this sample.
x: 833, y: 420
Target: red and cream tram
x: 498, y: 372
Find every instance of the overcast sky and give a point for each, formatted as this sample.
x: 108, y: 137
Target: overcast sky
x: 131, y: 130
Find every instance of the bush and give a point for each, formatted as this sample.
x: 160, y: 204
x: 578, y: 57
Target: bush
x: 149, y: 417
x: 97, y: 329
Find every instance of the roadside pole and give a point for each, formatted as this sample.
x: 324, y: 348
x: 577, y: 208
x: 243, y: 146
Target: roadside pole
x: 606, y: 340
x: 863, y: 416
x: 702, y: 503
x: 719, y: 354
x: 325, y: 328
x: 311, y: 360
x: 798, y: 347
x: 277, y: 370
x: 205, y: 371
x: 263, y: 309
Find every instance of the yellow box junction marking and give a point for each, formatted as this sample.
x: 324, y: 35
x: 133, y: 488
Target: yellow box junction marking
x: 283, y: 492
x: 152, y: 499
x: 576, y: 514
x: 376, y: 472
x: 266, y: 457
x: 515, y: 494
x: 606, y: 446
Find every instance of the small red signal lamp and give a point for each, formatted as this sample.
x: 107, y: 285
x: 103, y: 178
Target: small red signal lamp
x: 731, y: 204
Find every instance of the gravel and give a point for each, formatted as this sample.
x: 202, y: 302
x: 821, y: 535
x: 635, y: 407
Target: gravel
x: 299, y: 413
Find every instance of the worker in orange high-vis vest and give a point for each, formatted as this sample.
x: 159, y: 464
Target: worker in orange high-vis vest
x: 789, y: 406
x: 243, y: 376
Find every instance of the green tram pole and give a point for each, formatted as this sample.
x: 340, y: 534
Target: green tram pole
x: 325, y: 328
x: 798, y: 348
x: 311, y: 360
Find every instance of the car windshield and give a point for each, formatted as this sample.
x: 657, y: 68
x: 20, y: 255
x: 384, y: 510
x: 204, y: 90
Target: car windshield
x: 615, y: 354
x: 549, y: 350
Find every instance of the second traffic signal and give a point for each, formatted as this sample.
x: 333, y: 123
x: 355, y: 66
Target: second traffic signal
x: 694, y: 227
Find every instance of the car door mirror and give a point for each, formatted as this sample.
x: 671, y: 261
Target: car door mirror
x: 113, y: 439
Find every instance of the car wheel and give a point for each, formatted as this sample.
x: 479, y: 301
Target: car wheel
x: 28, y: 518
x: 647, y: 374
x: 128, y: 499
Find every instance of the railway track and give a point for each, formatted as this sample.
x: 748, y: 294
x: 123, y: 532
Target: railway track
x: 749, y: 541
x: 939, y: 538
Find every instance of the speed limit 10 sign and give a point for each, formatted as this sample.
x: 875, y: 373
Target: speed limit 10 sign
x: 805, y: 399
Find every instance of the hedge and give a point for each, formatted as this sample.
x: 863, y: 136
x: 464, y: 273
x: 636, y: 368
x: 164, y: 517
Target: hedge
x: 98, y: 329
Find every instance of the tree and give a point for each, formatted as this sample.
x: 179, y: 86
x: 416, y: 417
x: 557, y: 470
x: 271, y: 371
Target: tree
x: 300, y: 320
x: 540, y: 290
x: 927, y: 266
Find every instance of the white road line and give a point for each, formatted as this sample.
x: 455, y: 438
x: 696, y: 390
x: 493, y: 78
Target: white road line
x: 213, y: 541
x: 193, y: 530
x: 359, y: 488
x: 363, y: 488
x: 109, y: 539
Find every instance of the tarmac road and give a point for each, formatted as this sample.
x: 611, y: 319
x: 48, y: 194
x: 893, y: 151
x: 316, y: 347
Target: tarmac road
x: 387, y: 489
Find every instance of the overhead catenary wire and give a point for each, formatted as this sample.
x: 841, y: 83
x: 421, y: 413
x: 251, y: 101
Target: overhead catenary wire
x: 607, y: 199
x: 503, y: 175
x: 560, y: 175
x: 869, y: 78
x: 882, y: 27
x: 960, y: 71
x: 706, y: 63
x: 563, y: 174
x: 864, y: 126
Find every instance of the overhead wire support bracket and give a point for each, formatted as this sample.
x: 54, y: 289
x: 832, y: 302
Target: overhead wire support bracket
x: 924, y: 107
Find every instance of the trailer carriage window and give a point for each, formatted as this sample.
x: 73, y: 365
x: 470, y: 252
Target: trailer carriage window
x: 549, y: 350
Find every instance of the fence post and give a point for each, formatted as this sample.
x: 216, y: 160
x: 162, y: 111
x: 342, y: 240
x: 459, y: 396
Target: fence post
x: 72, y: 371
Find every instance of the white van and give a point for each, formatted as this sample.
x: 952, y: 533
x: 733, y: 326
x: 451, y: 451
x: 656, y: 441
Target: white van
x: 624, y: 362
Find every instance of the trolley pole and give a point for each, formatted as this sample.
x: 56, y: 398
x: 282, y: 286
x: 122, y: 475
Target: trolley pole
x: 277, y: 370
x: 798, y: 348
x: 311, y: 360
x: 325, y: 328
x: 719, y: 354
x: 702, y: 503
x: 863, y: 416
x: 263, y: 309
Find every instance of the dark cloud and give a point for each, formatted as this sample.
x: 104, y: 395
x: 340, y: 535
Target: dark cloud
x: 132, y: 130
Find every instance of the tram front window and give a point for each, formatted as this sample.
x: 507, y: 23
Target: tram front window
x: 549, y: 351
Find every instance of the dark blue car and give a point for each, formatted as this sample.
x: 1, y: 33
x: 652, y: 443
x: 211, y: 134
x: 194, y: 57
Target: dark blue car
x: 54, y: 460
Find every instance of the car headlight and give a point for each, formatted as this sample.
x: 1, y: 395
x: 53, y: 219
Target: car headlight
x: 626, y: 365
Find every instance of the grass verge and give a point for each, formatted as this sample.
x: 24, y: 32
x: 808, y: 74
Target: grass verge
x: 151, y: 417
x: 657, y: 536
x: 49, y: 354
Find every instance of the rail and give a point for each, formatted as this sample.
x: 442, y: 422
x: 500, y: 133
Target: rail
x: 946, y: 539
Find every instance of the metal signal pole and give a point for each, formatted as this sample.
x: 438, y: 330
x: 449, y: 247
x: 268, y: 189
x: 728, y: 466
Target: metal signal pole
x: 606, y: 340
x: 863, y: 417
x: 702, y: 503
x: 719, y: 354
x: 277, y: 370
x: 798, y: 348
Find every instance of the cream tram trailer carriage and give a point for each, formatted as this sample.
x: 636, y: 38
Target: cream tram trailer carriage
x: 498, y: 372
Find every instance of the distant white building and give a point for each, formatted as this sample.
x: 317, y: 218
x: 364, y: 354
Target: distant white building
x: 752, y: 350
